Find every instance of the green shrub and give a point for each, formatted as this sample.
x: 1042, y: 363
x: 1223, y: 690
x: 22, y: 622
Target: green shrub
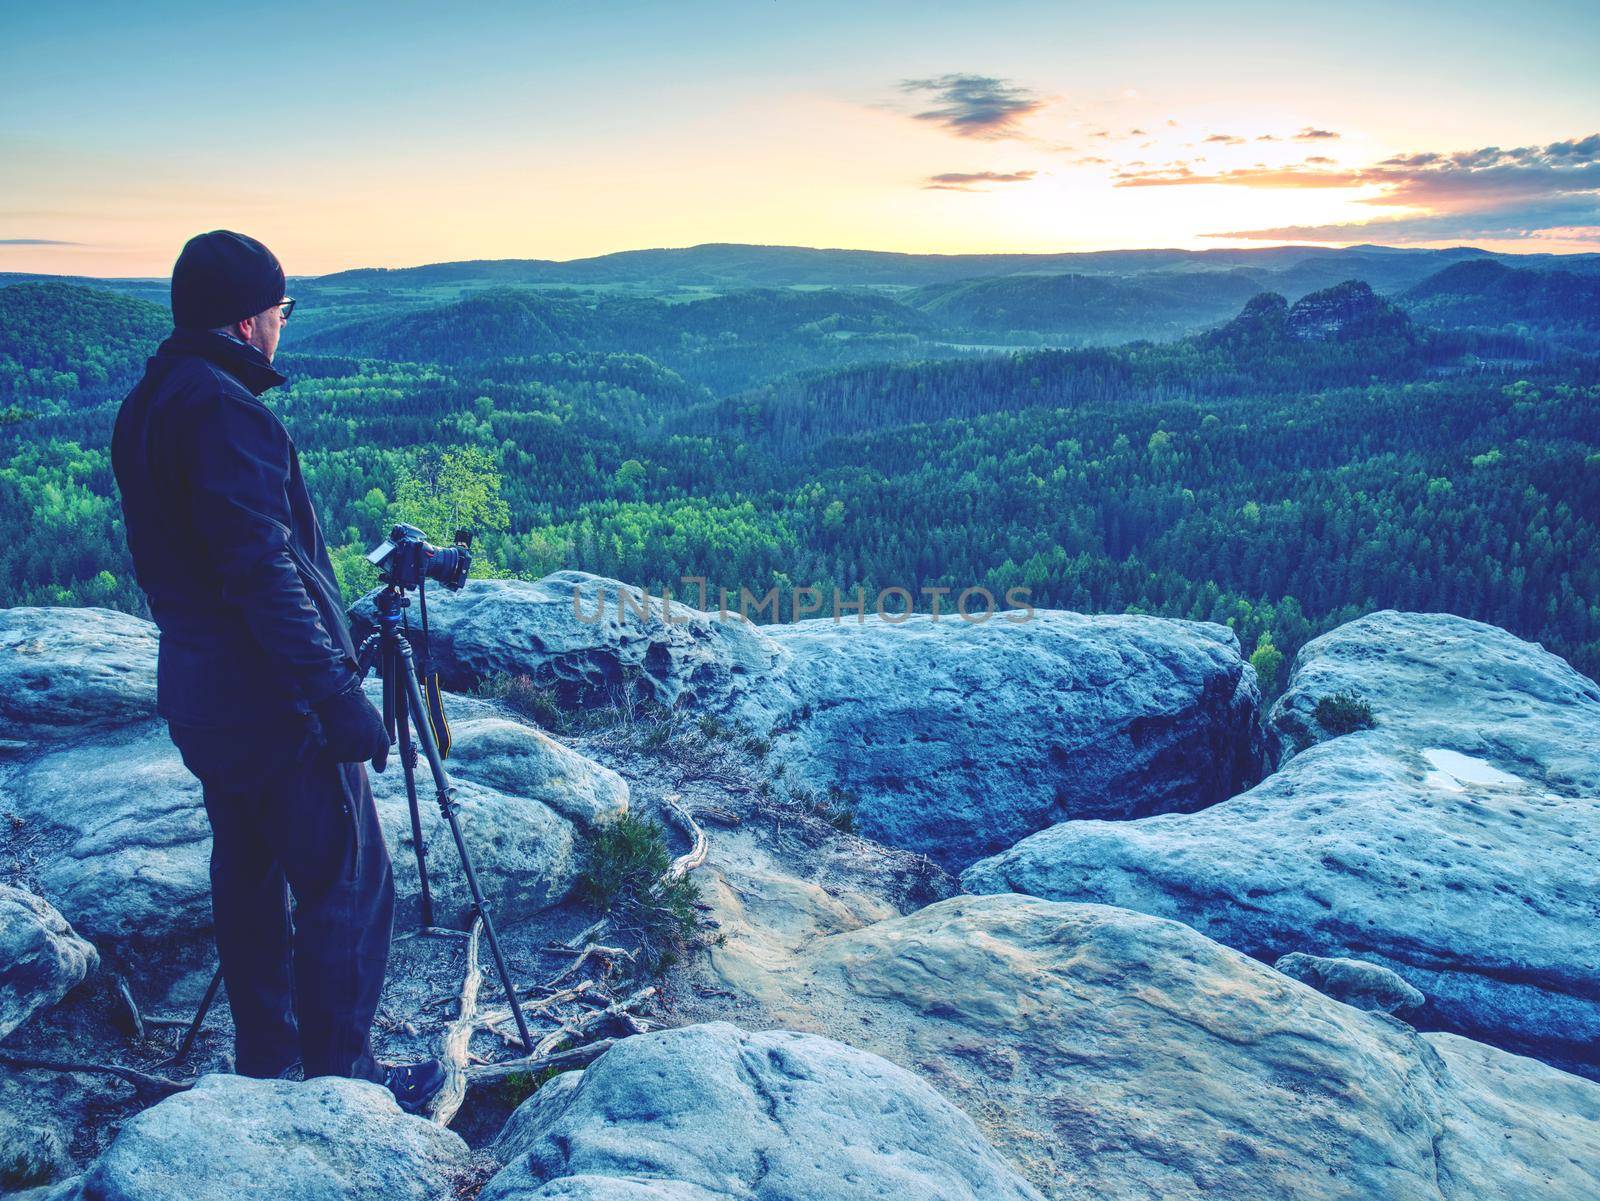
x: 621, y: 875
x: 1343, y: 713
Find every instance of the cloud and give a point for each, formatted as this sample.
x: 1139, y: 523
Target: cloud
x: 1181, y: 175
x: 1225, y: 139
x: 1268, y: 137
x: 1308, y: 134
x: 1489, y: 192
x: 974, y: 106
x: 1576, y: 222
x: 973, y: 181
x: 36, y: 242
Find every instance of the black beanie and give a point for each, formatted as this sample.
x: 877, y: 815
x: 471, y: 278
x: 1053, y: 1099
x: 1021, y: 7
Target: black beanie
x: 222, y: 277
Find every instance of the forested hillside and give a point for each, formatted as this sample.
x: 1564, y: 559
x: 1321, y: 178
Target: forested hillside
x: 64, y: 345
x: 1295, y: 466
x: 1491, y: 295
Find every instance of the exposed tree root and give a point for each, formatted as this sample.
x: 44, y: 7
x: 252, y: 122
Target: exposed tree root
x: 150, y: 1088
x: 458, y: 1036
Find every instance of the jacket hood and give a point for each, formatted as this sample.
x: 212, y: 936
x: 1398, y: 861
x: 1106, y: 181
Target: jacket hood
x: 245, y: 363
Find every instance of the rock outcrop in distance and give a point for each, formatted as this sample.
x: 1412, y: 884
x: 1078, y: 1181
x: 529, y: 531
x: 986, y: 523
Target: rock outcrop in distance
x: 1453, y: 841
x: 949, y: 737
x: 1343, y: 313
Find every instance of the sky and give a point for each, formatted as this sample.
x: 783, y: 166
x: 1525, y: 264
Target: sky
x: 393, y: 134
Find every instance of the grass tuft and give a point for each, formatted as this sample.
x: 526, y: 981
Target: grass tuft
x: 621, y: 875
x: 1343, y: 713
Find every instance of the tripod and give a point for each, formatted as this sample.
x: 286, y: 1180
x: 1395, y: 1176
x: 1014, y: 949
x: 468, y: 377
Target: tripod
x: 405, y: 710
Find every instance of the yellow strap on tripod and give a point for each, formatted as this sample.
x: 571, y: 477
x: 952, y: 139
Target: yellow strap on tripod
x: 436, y: 718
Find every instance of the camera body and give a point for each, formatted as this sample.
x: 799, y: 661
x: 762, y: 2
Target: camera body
x: 405, y: 558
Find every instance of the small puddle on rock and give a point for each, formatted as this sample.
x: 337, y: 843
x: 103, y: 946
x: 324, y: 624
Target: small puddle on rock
x: 1454, y: 771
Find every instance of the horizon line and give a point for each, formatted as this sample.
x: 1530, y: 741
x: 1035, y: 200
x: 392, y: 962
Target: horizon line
x: 1319, y: 247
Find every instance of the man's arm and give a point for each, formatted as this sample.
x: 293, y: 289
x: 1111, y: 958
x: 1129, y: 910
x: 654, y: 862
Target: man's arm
x: 236, y: 461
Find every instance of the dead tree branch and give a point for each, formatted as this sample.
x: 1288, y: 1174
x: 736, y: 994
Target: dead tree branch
x: 458, y: 1036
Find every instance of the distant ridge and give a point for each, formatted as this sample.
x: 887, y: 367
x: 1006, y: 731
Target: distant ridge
x: 723, y: 265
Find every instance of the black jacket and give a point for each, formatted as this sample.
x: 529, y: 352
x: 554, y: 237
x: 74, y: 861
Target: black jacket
x: 225, y: 542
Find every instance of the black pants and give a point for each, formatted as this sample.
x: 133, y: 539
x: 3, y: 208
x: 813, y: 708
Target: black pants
x: 282, y: 821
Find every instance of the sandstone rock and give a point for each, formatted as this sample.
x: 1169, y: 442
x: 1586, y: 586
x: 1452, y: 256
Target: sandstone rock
x: 1364, y: 985
x: 581, y: 636
x: 120, y: 842
x: 712, y: 1111
x: 1345, y: 311
x: 524, y: 852
x: 66, y: 672
x: 1443, y: 681
x: 957, y: 738
x: 234, y: 1139
x: 33, y: 1151
x: 523, y: 762
x: 1111, y: 1054
x: 41, y: 958
x: 950, y: 737
x: 1477, y: 886
x: 64, y: 1190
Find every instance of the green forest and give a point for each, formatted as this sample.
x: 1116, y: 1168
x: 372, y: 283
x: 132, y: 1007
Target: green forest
x: 1431, y: 444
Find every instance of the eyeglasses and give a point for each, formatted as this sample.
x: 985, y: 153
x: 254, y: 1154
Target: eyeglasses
x: 286, y: 306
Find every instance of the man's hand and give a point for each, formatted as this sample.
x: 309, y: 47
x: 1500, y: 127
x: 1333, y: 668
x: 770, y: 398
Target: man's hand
x: 352, y: 730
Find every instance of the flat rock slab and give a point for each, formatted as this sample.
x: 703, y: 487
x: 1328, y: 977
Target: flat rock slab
x: 41, y: 957
x: 1400, y: 845
x: 1112, y: 1054
x: 233, y: 1139
x: 67, y: 672
x: 714, y: 1112
x: 959, y: 738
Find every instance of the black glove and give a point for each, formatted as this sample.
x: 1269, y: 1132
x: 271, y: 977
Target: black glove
x: 352, y: 730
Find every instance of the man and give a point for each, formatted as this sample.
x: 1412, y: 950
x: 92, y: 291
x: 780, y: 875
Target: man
x: 256, y: 677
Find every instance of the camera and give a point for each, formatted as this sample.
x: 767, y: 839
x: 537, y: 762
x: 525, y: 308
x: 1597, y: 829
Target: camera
x: 405, y: 558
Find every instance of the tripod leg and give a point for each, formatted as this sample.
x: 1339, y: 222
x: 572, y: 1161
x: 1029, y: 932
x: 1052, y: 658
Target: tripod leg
x: 396, y: 702
x: 419, y: 713
x: 193, y: 1031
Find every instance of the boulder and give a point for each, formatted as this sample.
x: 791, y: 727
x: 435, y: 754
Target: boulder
x: 714, y: 1112
x: 958, y: 738
x: 950, y: 737
x: 582, y: 636
x: 1442, y: 681
x: 67, y: 672
x: 41, y: 957
x: 1364, y: 985
x: 521, y: 761
x: 1453, y: 842
x: 127, y: 845
x: 233, y: 1139
x: 1113, y: 1054
x: 118, y: 839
